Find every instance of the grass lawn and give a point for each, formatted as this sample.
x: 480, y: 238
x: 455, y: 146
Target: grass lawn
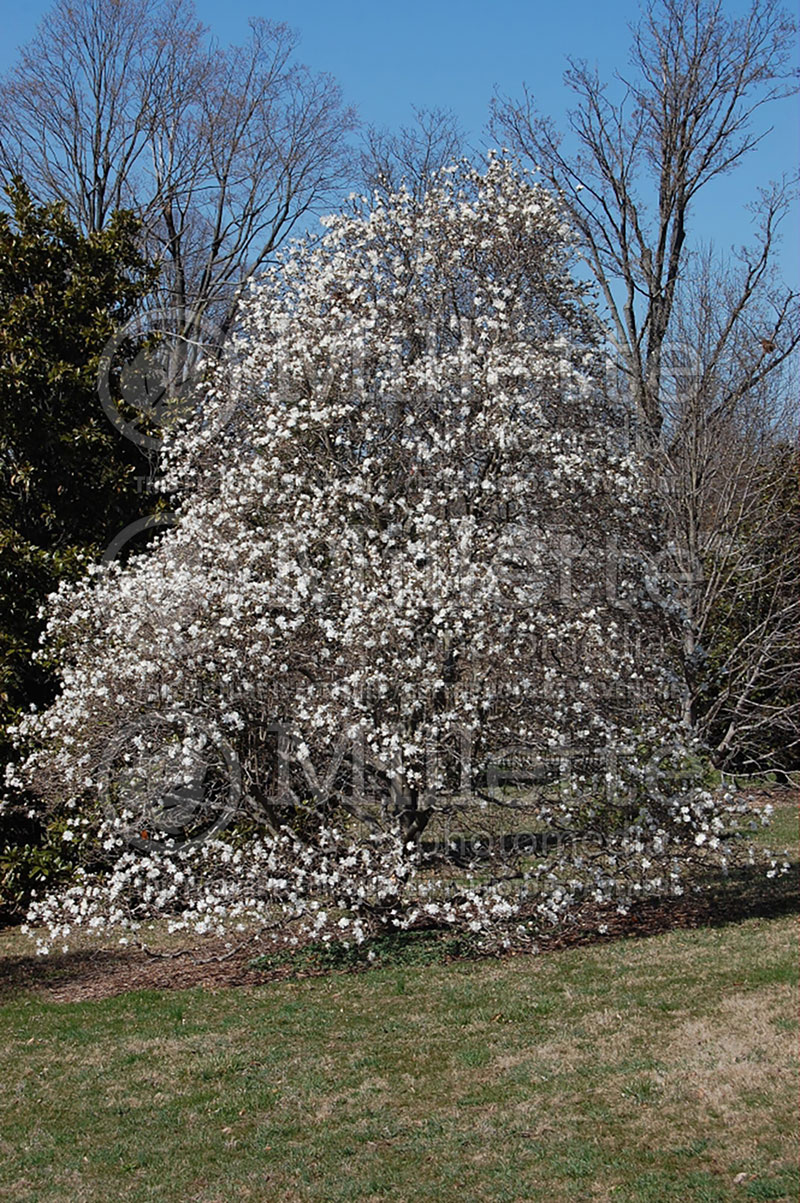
x: 659, y: 1069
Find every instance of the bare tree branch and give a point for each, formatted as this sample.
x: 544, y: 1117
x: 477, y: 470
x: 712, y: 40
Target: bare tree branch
x: 706, y: 351
x: 410, y: 157
x: 684, y: 118
x: 221, y: 151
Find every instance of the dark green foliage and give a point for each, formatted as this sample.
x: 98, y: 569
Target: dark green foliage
x: 29, y: 866
x: 67, y: 479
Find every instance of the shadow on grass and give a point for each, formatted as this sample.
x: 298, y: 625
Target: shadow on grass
x: 717, y: 900
x: 745, y: 893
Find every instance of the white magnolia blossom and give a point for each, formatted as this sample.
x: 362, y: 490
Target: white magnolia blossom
x: 411, y: 554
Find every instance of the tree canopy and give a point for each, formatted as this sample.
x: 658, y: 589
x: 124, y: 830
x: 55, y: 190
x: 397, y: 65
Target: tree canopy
x: 67, y: 481
x: 382, y: 590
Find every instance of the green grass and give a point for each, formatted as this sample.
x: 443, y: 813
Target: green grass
x: 391, y: 948
x: 782, y: 831
x: 657, y: 1070
x: 651, y: 1070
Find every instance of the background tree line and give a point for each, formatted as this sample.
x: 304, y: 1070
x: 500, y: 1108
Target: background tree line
x: 147, y: 167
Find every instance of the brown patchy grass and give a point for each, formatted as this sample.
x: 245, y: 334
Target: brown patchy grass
x: 651, y: 1070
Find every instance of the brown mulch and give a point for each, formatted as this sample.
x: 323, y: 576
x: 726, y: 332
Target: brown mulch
x: 773, y: 795
x: 95, y: 974
x: 102, y: 973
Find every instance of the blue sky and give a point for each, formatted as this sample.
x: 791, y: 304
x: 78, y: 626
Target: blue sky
x: 387, y: 56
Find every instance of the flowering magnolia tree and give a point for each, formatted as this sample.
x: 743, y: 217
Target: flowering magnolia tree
x: 399, y: 658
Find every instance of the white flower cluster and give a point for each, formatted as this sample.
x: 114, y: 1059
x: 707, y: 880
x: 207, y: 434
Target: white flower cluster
x: 388, y: 568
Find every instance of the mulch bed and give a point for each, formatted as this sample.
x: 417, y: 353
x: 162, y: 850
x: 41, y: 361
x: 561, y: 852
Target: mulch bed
x: 89, y: 975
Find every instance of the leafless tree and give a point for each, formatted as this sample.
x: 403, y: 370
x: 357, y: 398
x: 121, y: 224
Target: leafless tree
x: 410, y: 156
x: 221, y: 151
x: 643, y: 151
x: 728, y: 476
x: 705, y: 349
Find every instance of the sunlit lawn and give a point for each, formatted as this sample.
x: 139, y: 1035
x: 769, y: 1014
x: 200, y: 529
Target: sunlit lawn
x: 647, y: 1070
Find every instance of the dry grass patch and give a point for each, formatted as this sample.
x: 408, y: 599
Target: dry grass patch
x: 651, y: 1071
